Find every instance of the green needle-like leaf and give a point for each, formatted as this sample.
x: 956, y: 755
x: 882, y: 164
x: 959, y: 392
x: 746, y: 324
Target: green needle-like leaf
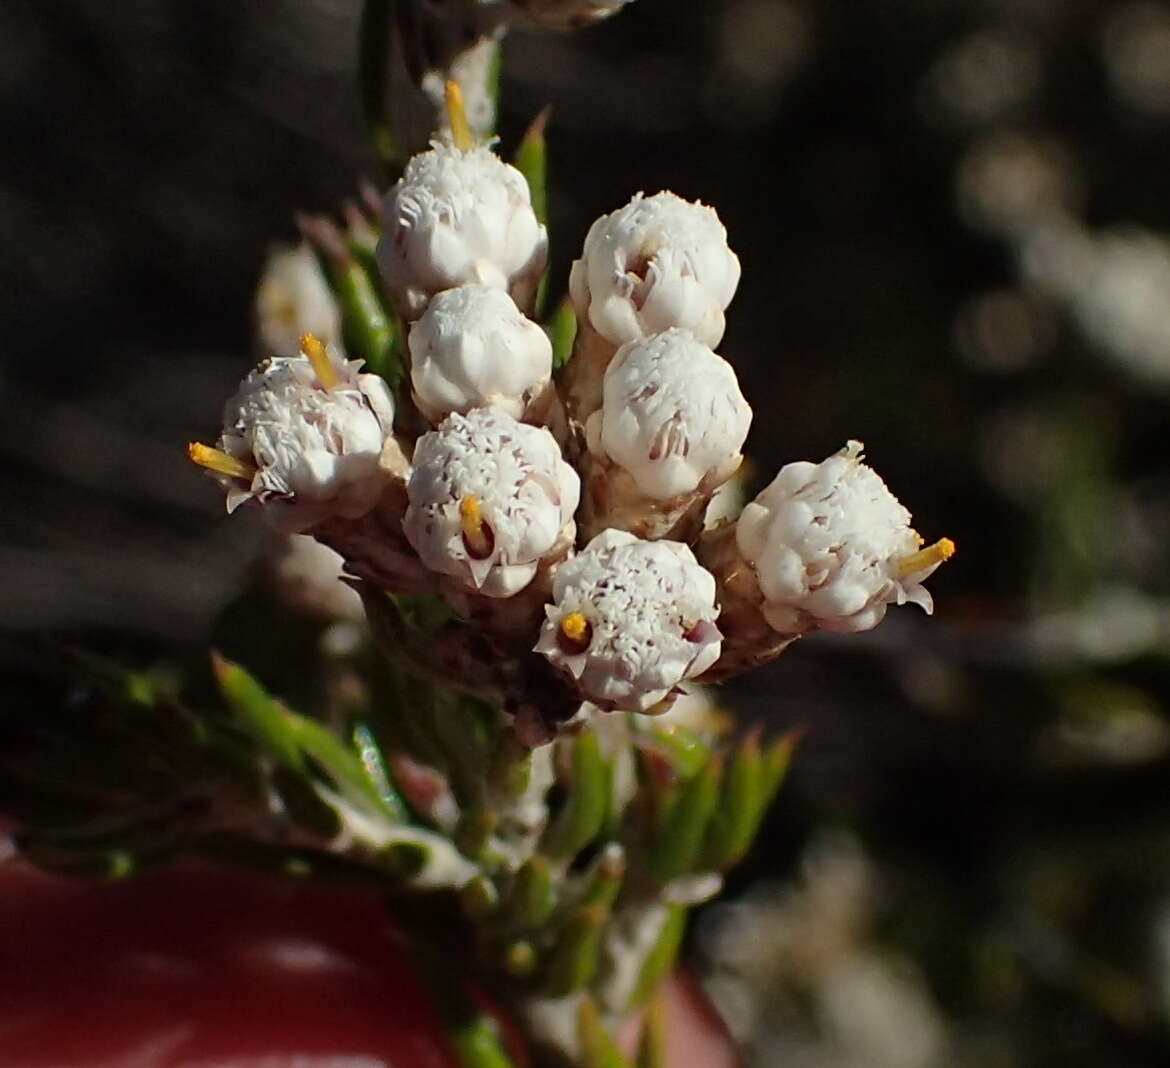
x: 263, y: 717
x: 683, y: 824
x: 684, y: 750
x: 477, y: 1044
x: 584, y: 813
x: 562, y: 332
x: 532, y: 162
x: 533, y: 896
x: 598, y: 1049
x: 740, y: 808
x: 371, y: 330
x: 652, y: 1047
x: 341, y: 764
x: 374, y: 764
x: 777, y: 759
x: 606, y: 878
x: 660, y: 960
x: 573, y: 960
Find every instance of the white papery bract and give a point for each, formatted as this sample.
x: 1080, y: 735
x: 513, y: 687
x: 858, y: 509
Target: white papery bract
x: 473, y: 348
x: 524, y: 495
x: 458, y: 216
x: 828, y: 543
x: 672, y: 415
x: 631, y: 619
x: 658, y: 262
x: 294, y: 298
x: 315, y: 450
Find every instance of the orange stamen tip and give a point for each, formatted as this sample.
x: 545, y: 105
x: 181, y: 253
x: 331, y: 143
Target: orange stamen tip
x: 222, y: 463
x: 933, y: 555
x: 323, y: 367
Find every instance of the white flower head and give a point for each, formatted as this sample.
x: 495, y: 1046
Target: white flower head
x: 673, y: 415
x: 458, y: 216
x: 656, y: 263
x: 489, y: 497
x: 294, y: 299
x: 631, y: 619
x: 302, y: 436
x: 473, y: 348
x: 832, y: 547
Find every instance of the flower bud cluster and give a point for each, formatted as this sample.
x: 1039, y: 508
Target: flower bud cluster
x: 488, y: 510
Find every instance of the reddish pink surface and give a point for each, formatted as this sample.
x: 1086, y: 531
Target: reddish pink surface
x: 194, y: 967
x: 198, y: 967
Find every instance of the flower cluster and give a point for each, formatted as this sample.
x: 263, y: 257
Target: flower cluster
x: 568, y: 511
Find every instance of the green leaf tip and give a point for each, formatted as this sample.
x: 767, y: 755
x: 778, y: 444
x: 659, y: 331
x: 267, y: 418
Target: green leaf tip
x: 583, y: 816
x: 598, y: 1048
x: 683, y: 824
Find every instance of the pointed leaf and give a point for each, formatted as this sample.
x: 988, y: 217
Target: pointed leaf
x: 605, y: 880
x: 478, y: 1045
x: 341, y: 764
x: 652, y: 1047
x: 532, y: 162
x: 372, y: 331
x: 741, y: 805
x: 598, y: 1049
x: 374, y: 764
x: 584, y: 813
x: 684, y: 751
x: 562, y: 332
x: 660, y: 960
x: 683, y: 825
x: 533, y: 896
x: 573, y: 960
x: 257, y: 712
x: 777, y: 760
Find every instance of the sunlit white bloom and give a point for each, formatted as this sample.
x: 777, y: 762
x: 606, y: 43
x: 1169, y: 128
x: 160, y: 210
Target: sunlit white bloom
x: 311, y: 449
x: 631, y: 619
x: 832, y: 547
x: 473, y: 348
x: 489, y: 497
x: 459, y: 216
x: 658, y: 262
x: 294, y: 298
x: 672, y: 415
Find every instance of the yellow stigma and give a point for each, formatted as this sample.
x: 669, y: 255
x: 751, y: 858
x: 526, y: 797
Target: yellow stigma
x: 574, y: 626
x: 940, y: 551
x: 222, y: 463
x: 474, y: 535
x: 457, y: 117
x: 322, y: 366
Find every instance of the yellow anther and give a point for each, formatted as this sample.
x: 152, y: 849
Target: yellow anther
x: 941, y: 550
x: 476, y: 533
x: 322, y: 366
x: 575, y: 626
x: 222, y: 463
x: 457, y: 117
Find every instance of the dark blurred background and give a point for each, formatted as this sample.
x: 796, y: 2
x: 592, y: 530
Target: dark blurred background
x: 954, y: 225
